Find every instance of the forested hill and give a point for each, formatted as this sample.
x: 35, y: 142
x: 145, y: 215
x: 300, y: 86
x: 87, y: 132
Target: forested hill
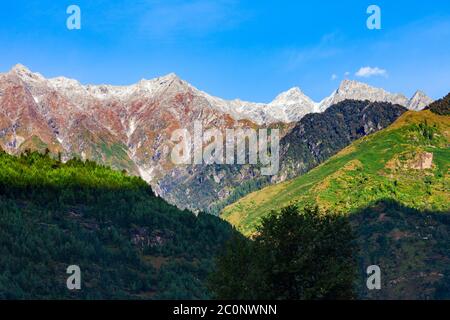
x: 441, y: 106
x: 127, y: 242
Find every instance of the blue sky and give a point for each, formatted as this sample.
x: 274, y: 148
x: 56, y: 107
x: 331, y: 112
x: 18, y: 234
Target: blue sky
x: 251, y: 50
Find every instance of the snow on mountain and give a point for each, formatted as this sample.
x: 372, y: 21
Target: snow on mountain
x: 287, y: 107
x: 419, y: 101
x: 23, y: 72
x: 292, y: 105
x: 355, y: 90
x: 241, y: 110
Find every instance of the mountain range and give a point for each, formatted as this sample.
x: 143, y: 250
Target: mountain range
x: 129, y: 127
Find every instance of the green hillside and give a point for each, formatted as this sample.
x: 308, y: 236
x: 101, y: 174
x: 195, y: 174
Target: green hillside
x: 408, y: 162
x: 129, y: 243
x: 394, y: 186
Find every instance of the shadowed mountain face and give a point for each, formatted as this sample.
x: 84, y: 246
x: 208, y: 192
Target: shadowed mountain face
x: 130, y: 128
x: 411, y: 248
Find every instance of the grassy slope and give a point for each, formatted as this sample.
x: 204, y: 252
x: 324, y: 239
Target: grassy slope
x: 373, y: 168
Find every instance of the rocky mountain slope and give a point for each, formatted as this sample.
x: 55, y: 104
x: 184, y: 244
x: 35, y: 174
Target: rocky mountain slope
x: 130, y: 127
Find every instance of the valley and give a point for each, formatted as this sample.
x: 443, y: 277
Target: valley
x: 87, y: 173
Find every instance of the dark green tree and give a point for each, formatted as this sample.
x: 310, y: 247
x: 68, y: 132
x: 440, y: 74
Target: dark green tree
x: 295, y: 254
x: 441, y: 106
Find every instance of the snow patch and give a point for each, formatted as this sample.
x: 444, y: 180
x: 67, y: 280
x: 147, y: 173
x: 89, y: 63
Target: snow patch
x: 131, y: 127
x: 146, y: 174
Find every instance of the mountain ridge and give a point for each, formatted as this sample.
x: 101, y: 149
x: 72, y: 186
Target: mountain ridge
x: 348, y: 89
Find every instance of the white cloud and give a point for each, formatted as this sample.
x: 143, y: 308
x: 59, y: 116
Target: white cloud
x: 346, y: 74
x: 367, y: 72
x: 334, y: 76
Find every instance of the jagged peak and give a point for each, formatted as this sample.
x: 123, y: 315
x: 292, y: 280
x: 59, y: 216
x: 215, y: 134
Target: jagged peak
x: 348, y: 84
x: 419, y: 101
x: 292, y: 95
x: 419, y: 93
x: 352, y: 89
x: 23, y: 72
x: 294, y: 90
x: 168, y: 77
x: 159, y: 81
x: 351, y: 85
x: 64, y: 82
x: 20, y: 68
x: 288, y: 106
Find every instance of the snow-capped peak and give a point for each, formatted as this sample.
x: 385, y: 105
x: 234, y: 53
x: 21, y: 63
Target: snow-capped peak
x: 25, y: 74
x: 291, y: 105
x: 170, y: 76
x: 293, y: 95
x: 349, y: 85
x: 64, y: 83
x: 354, y: 90
x: 419, y: 101
x: 20, y: 68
